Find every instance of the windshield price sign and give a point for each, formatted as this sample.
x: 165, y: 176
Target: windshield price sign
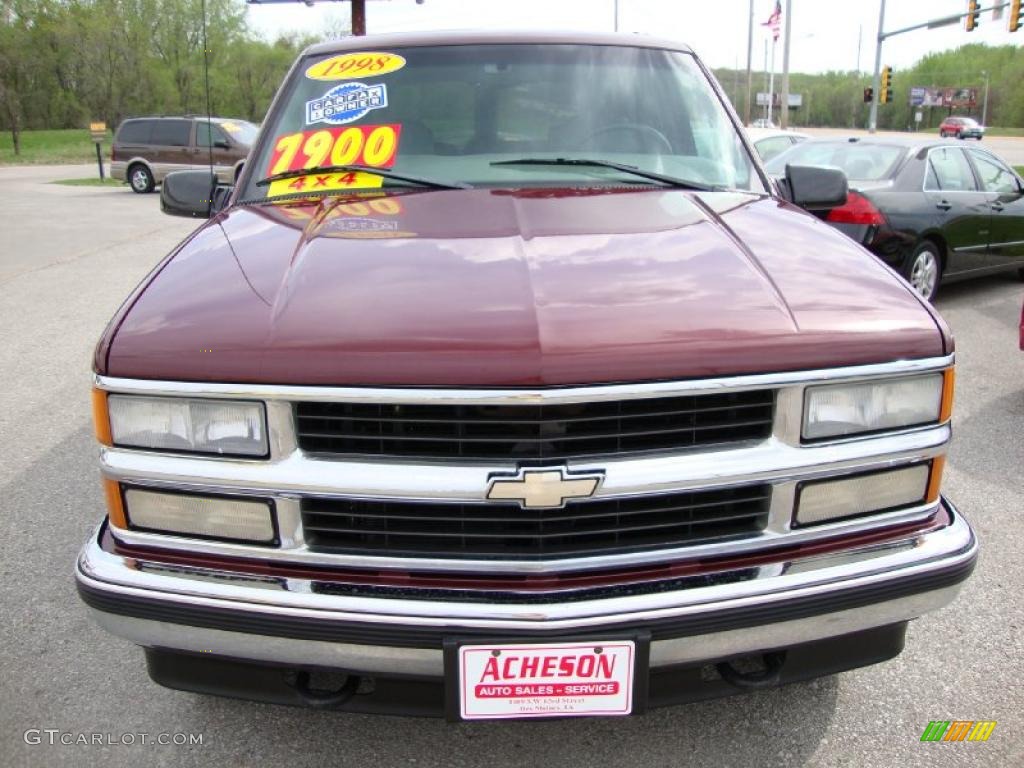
x: 372, y: 145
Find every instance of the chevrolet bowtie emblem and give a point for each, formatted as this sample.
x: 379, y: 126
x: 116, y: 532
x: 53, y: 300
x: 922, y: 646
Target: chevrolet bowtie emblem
x: 543, y: 488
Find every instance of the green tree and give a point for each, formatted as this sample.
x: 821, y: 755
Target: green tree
x: 835, y: 99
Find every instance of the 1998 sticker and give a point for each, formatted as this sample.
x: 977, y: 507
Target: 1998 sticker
x: 359, y: 64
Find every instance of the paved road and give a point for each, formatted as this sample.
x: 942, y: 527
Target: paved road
x: 1010, y: 148
x: 69, y: 255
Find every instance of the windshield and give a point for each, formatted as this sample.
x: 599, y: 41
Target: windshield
x: 450, y: 113
x: 241, y: 131
x: 864, y: 162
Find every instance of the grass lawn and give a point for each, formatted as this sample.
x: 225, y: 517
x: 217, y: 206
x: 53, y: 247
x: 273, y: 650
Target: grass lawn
x: 73, y: 145
x: 1019, y: 169
x: 997, y: 131
x: 90, y: 182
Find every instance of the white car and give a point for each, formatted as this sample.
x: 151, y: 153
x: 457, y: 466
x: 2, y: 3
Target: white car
x: 770, y: 143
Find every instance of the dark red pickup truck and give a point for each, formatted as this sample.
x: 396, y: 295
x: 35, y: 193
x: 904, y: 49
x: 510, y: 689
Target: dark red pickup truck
x: 506, y: 384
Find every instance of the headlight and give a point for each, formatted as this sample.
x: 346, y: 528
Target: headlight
x: 871, y: 406
x: 226, y: 427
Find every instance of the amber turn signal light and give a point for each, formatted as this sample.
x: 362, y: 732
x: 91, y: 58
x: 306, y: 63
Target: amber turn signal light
x: 948, y: 379
x: 115, y: 504
x: 101, y: 417
x: 935, y: 479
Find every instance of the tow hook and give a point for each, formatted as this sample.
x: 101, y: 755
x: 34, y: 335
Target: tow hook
x: 765, y: 678
x: 320, y: 698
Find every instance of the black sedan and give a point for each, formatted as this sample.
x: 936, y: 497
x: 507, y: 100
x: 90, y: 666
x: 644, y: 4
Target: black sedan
x: 932, y: 210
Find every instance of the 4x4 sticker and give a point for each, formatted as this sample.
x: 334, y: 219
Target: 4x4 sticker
x: 373, y: 145
x: 345, y: 103
x: 351, y: 65
x: 324, y: 182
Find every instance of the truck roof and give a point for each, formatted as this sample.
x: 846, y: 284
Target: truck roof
x: 498, y: 37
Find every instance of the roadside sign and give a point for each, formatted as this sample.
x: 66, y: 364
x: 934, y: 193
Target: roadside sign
x: 98, y: 131
x: 918, y: 116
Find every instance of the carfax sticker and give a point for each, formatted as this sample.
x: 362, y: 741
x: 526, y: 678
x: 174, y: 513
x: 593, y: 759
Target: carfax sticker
x: 351, y: 65
x: 345, y: 103
x: 373, y: 145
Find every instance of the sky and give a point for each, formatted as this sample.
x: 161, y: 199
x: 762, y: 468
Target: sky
x: 825, y: 33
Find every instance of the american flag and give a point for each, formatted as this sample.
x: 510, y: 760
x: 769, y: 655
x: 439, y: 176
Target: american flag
x: 775, y: 20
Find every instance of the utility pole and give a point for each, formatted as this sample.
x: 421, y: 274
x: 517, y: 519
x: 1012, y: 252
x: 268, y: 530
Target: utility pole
x: 358, y: 17
x: 873, y: 118
x: 784, y: 104
x: 735, y: 95
x: 766, y: 115
x: 616, y: 15
x: 750, y: 56
x: 984, y: 103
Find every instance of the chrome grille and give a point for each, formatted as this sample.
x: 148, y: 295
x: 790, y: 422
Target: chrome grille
x: 522, y: 432
x: 443, y: 529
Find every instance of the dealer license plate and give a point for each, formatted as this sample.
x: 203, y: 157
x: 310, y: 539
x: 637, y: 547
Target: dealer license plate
x: 546, y: 680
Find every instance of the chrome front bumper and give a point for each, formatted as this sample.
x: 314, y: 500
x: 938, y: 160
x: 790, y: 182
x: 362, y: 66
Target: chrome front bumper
x: 288, y: 621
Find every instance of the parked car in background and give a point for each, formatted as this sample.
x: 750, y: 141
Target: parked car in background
x: 932, y: 210
x: 146, y: 149
x: 961, y: 128
x: 771, y: 142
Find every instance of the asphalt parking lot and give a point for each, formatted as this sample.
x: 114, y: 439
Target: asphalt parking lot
x: 1010, y: 148
x: 69, y: 255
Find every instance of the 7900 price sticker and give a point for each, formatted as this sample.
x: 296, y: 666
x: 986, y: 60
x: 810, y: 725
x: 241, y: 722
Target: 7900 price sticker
x: 371, y: 145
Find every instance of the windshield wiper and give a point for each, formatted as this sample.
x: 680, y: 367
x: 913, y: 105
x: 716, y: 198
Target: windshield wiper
x: 387, y: 173
x: 671, y: 181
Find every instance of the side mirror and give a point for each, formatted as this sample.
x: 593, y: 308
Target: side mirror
x: 814, y: 188
x: 195, y: 194
x: 222, y: 144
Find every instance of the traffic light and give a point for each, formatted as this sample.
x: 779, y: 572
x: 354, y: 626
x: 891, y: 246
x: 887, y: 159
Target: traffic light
x: 869, y: 94
x: 1015, y: 15
x: 973, y: 15
x: 885, y: 89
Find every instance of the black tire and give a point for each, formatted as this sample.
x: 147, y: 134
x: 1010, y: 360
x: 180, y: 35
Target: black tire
x: 140, y: 179
x: 923, y: 269
x: 942, y: 134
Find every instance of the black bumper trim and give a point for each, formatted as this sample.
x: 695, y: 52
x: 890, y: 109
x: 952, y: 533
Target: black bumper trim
x: 425, y: 696
x: 405, y: 636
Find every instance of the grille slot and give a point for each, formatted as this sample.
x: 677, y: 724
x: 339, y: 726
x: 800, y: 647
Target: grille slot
x: 442, y: 529
x: 556, y: 431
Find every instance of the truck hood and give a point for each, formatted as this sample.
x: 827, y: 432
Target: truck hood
x: 506, y: 288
